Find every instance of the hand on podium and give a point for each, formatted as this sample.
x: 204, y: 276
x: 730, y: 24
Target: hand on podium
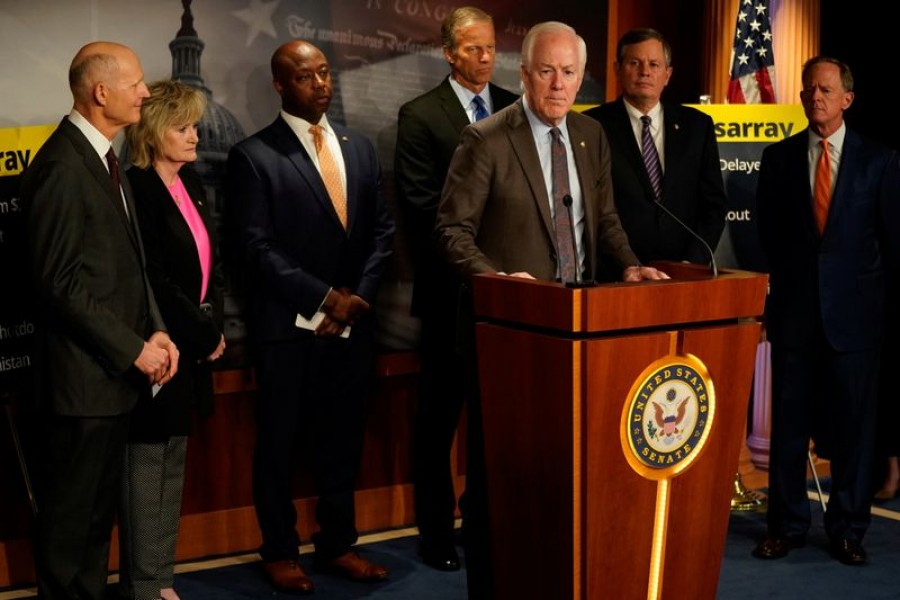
x: 640, y: 273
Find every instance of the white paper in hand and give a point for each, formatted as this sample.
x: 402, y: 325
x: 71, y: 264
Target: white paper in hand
x: 311, y: 324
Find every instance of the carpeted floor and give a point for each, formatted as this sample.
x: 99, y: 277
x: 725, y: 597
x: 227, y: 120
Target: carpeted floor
x: 810, y: 572
x: 806, y: 573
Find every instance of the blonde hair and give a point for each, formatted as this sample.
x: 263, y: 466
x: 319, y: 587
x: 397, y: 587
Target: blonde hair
x: 170, y: 103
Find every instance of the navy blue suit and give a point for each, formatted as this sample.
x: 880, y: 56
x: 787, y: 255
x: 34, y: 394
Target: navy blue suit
x: 692, y: 186
x: 825, y: 318
x: 296, y: 249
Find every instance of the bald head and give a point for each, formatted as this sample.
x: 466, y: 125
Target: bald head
x: 289, y: 54
x: 107, y: 85
x: 94, y: 63
x: 302, y: 77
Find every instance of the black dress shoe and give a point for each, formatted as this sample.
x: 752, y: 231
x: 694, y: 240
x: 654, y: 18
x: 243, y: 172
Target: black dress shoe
x: 778, y: 546
x: 443, y: 559
x: 849, y: 552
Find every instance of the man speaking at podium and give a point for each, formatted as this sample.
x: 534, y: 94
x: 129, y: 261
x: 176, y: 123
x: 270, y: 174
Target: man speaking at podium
x: 529, y: 194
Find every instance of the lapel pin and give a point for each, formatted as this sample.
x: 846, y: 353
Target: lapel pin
x: 582, y: 144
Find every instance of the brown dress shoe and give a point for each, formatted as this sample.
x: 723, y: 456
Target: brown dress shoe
x: 849, y: 552
x: 288, y: 576
x: 778, y: 546
x: 352, y: 566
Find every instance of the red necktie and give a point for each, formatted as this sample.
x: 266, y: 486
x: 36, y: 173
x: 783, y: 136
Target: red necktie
x: 113, y: 164
x: 822, y: 187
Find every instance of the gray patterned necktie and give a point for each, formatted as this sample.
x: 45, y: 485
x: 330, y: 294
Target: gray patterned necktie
x: 559, y: 174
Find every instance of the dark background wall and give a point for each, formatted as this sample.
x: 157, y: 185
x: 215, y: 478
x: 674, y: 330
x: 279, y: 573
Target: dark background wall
x: 866, y: 39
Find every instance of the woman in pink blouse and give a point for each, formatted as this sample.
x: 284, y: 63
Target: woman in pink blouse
x: 187, y: 282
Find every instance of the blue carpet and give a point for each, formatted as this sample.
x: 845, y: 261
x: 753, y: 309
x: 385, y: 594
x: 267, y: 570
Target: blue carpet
x: 810, y: 572
x: 807, y: 573
x: 409, y: 580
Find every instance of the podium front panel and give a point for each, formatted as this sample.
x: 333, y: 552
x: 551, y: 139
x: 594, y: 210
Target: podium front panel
x: 563, y: 496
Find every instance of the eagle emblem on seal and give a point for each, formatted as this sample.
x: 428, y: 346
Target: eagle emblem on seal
x: 669, y: 418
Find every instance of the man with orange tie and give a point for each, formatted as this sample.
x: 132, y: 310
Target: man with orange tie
x: 826, y: 202
x: 316, y: 236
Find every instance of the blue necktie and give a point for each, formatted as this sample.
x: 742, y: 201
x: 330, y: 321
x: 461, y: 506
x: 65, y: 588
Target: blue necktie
x: 651, y: 159
x: 480, y: 109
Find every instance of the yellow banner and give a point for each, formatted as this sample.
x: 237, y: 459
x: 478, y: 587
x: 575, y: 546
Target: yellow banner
x: 755, y: 122
x: 749, y: 122
x: 18, y: 145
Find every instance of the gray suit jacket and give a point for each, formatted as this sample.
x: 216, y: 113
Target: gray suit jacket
x: 95, y: 306
x: 495, y: 212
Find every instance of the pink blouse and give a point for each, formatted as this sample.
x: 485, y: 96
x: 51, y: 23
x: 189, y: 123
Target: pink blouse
x: 198, y: 229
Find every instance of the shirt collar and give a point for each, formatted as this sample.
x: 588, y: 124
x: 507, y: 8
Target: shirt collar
x: 538, y: 127
x: 466, y: 95
x: 655, y: 113
x: 835, y: 140
x: 300, y: 126
x: 98, y: 141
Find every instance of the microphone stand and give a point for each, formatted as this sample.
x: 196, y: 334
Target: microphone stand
x: 712, y: 256
x: 578, y: 283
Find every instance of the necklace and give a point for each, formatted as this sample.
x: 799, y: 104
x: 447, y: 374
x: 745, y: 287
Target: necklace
x: 173, y: 191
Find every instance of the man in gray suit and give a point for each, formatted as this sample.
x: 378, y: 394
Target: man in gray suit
x: 100, y: 341
x: 497, y: 208
x: 506, y: 186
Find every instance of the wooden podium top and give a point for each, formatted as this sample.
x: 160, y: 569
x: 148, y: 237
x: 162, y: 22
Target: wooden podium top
x: 692, y: 295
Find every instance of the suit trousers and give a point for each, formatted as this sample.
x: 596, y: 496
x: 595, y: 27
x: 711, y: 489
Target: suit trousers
x: 78, y: 473
x: 442, y: 393
x: 312, y: 393
x: 816, y: 387
x: 150, y: 510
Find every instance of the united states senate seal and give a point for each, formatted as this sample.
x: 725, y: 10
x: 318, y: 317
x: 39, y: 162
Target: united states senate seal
x: 668, y: 417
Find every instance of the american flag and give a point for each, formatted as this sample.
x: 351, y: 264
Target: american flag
x: 752, y: 59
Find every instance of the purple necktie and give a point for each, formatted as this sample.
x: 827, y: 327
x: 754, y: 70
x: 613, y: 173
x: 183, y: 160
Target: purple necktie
x: 651, y: 159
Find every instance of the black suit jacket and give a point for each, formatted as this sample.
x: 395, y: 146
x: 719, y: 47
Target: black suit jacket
x: 294, y: 242
x: 173, y: 267
x: 836, y: 280
x: 428, y: 132
x: 692, y: 184
x: 95, y: 306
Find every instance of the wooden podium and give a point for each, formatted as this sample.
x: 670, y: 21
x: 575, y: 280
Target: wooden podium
x: 613, y: 419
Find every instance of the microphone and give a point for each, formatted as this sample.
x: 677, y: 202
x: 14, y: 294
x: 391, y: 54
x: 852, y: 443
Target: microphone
x: 567, y: 202
x: 712, y: 256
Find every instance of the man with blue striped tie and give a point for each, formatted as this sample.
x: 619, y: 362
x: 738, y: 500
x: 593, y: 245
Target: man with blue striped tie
x: 428, y: 132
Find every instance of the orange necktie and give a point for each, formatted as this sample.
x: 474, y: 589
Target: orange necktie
x: 331, y: 176
x: 822, y: 187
